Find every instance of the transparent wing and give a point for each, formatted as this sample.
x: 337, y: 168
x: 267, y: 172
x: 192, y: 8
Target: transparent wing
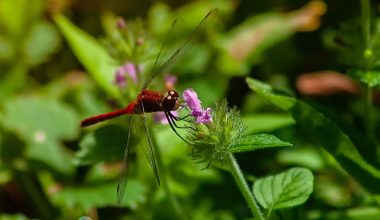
x: 154, y: 69
x: 139, y: 123
x: 180, y: 50
x: 148, y: 145
x: 123, y: 176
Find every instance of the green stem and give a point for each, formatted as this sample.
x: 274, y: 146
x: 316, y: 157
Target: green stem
x: 243, y: 186
x: 366, y: 22
x: 34, y: 192
x: 164, y: 177
x: 366, y: 29
x: 368, y: 114
x: 269, y: 212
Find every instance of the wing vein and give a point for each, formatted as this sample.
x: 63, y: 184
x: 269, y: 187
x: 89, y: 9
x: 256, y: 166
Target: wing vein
x: 180, y: 50
x: 123, y: 176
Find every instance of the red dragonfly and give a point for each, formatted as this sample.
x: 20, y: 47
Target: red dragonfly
x: 148, y: 101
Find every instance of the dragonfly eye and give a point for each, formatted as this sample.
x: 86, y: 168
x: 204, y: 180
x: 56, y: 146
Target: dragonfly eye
x: 171, y: 101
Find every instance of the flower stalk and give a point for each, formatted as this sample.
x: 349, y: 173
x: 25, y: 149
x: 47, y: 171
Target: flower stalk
x: 213, y: 141
x: 367, y: 54
x: 243, y: 187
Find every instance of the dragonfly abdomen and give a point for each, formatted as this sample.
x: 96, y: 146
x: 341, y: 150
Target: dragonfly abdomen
x: 98, y: 118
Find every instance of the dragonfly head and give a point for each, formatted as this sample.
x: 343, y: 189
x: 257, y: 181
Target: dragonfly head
x: 171, y: 101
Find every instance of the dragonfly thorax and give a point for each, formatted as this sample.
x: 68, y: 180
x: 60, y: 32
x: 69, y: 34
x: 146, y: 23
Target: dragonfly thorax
x: 170, y: 102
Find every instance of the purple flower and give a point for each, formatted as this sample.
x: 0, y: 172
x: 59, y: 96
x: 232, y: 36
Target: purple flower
x: 201, y: 115
x: 204, y: 116
x: 122, y: 72
x: 120, y: 23
x: 161, y: 118
x: 191, y: 99
x: 170, y: 81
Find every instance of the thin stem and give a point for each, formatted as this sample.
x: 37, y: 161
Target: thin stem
x: 366, y: 29
x: 36, y: 195
x: 164, y: 178
x: 243, y: 186
x: 269, y: 212
x: 366, y: 22
x: 368, y: 114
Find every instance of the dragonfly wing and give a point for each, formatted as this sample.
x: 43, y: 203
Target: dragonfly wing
x: 193, y: 36
x: 123, y: 176
x: 151, y: 76
x: 148, y: 145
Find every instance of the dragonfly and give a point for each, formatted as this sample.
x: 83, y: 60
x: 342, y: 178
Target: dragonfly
x: 149, y: 101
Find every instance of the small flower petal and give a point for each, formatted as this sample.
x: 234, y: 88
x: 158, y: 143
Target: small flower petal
x: 192, y: 101
x: 120, y: 23
x: 122, y: 72
x: 170, y: 81
x: 205, y: 117
x: 130, y: 69
x: 120, y: 78
x: 201, y: 116
x: 197, y: 113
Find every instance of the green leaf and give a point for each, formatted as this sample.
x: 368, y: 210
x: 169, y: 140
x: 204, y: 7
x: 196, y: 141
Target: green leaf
x: 278, y: 98
x: 42, y: 124
x: 102, y: 195
x: 267, y: 122
x: 341, y: 140
x: 12, y: 80
x: 7, y: 52
x: 370, y: 78
x: 43, y: 39
x: 13, y: 217
x: 284, y: 190
x: 307, y: 157
x: 358, y: 213
x: 52, y: 156
x: 257, y: 142
x: 17, y: 15
x: 34, y: 116
x: 91, y: 54
x: 107, y: 143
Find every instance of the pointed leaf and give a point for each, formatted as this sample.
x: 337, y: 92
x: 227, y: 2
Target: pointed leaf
x: 257, y: 142
x: 267, y: 122
x: 42, y: 124
x: 284, y: 190
x: 91, y: 54
x: 340, y: 139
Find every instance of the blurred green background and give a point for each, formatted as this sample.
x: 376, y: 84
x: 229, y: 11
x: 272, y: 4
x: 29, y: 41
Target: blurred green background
x: 57, y: 65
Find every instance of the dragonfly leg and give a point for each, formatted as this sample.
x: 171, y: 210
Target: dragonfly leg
x: 171, y: 122
x: 188, y: 113
x: 180, y: 118
x: 174, y: 118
